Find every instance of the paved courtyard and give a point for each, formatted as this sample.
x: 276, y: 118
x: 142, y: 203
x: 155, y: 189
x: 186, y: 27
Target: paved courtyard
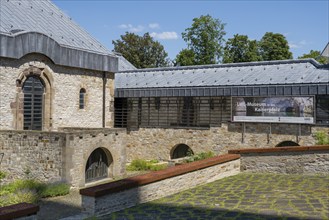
x: 244, y: 196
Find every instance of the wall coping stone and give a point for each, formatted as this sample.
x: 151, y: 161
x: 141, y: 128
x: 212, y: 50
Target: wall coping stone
x: 280, y: 149
x: 73, y: 130
x: 18, y: 210
x: 140, y: 180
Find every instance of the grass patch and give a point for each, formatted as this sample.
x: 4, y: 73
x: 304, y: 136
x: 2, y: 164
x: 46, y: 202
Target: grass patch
x: 19, y: 196
x: 199, y: 156
x: 143, y: 165
x: 55, y: 189
x: 30, y: 191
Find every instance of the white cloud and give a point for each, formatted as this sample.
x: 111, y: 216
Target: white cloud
x: 165, y: 35
x: 132, y: 28
x: 291, y: 45
x: 303, y: 42
x: 125, y: 26
x: 154, y: 26
x: 299, y: 44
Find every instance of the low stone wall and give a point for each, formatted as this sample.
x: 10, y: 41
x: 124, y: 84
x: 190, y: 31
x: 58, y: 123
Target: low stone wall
x: 288, y: 160
x: 158, y: 143
x: 59, y: 156
x: 31, y: 154
x: 107, y: 198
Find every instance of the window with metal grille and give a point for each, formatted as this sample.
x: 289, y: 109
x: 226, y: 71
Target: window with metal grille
x: 82, y: 98
x: 97, y: 166
x: 164, y: 112
x: 33, y: 90
x: 322, y: 109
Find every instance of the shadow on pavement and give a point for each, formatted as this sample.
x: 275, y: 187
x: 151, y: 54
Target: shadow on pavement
x: 167, y: 212
x: 53, y: 210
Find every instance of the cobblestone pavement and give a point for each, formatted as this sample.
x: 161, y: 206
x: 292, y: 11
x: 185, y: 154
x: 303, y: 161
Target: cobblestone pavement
x: 244, y: 196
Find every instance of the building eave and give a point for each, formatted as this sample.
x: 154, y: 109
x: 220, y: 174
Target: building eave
x: 19, y: 45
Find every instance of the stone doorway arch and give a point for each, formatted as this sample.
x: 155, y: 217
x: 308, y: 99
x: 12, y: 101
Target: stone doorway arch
x: 98, y: 165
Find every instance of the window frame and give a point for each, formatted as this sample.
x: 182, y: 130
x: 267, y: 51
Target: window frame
x: 82, y: 98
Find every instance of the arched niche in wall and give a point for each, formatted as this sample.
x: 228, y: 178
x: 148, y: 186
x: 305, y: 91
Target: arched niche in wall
x: 180, y: 150
x: 34, y: 88
x: 98, y: 165
x: 287, y: 144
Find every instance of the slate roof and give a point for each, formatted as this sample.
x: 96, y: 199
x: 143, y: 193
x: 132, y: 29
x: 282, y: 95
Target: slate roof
x: 254, y: 74
x: 124, y: 64
x: 19, y: 16
x: 30, y: 26
x: 325, y: 51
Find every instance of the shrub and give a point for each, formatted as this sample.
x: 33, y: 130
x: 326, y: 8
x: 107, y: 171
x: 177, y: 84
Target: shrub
x: 143, y: 165
x: 55, y: 189
x: 199, y: 156
x: 30, y: 191
x: 321, y: 138
x: 138, y: 165
x: 23, y: 195
x: 2, y: 175
x: 22, y: 184
x: 156, y: 167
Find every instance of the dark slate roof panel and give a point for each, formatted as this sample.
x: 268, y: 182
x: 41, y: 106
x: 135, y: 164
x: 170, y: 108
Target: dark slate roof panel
x: 242, y: 74
x: 46, y: 18
x: 125, y: 64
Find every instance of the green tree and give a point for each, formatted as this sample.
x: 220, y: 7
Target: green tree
x: 186, y: 57
x: 205, y: 39
x: 274, y: 46
x: 240, y: 49
x: 315, y: 54
x: 141, y: 51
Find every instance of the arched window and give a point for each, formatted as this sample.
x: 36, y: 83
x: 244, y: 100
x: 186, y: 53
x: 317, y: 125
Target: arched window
x: 287, y: 144
x: 181, y: 150
x: 33, y: 90
x: 82, y: 98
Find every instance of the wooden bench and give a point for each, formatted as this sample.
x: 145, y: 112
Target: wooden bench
x: 18, y: 210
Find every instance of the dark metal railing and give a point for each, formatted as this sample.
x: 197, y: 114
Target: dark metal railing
x: 199, y: 112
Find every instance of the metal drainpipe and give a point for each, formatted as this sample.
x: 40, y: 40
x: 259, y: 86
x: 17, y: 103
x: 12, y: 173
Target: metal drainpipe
x: 103, y: 107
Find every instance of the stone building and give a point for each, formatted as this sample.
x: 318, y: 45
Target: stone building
x: 171, y: 112
x: 54, y: 75
x: 71, y: 110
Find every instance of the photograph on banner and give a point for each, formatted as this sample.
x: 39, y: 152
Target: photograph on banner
x: 273, y: 109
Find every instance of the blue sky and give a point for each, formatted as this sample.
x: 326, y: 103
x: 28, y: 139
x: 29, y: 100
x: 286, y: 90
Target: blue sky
x: 304, y: 23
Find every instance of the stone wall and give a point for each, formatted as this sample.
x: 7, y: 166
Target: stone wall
x: 158, y: 143
x: 111, y: 197
x: 59, y: 156
x: 288, y: 160
x: 61, y: 101
x: 82, y: 142
x: 37, y: 155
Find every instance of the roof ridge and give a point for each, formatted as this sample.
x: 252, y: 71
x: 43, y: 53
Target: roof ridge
x: 227, y: 65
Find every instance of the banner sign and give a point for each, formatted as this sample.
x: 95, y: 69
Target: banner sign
x: 273, y: 109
